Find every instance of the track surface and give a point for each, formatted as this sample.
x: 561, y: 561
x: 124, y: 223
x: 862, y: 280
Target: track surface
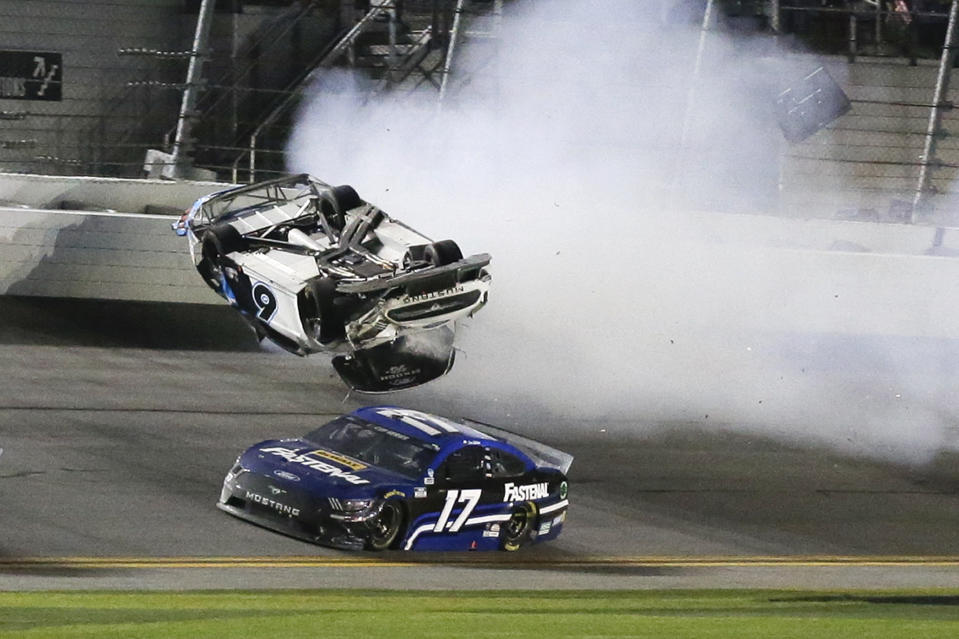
x: 115, y: 444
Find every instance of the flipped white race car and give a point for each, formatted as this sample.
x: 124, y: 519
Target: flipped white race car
x: 313, y: 267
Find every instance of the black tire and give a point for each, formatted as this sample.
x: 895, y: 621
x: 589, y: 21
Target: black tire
x: 387, y: 525
x: 346, y: 197
x: 318, y: 313
x: 442, y: 253
x: 217, y: 242
x: 518, y: 529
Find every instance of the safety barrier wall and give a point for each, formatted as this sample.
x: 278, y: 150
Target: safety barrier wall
x: 101, y: 194
x: 96, y: 255
x: 804, y: 275
x: 114, y: 242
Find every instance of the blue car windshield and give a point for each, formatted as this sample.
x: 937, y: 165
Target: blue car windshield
x: 375, y: 445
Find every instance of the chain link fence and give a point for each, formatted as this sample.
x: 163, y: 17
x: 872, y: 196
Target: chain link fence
x: 97, y: 125
x: 123, y: 66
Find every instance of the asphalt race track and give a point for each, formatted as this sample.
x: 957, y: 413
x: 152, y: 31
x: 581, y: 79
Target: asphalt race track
x: 115, y: 443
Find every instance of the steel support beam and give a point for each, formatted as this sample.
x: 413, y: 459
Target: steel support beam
x: 183, y: 141
x: 939, y: 104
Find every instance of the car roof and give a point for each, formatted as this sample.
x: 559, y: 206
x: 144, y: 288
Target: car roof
x: 420, y: 425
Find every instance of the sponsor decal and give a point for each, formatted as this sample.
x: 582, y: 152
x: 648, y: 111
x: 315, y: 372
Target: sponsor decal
x: 394, y: 493
x: 279, y: 507
x: 563, y: 490
x: 316, y: 464
x: 528, y: 492
x: 490, y: 533
x: 545, y: 527
x: 419, y: 492
x: 389, y: 432
x: 429, y: 481
x: 342, y: 460
x: 283, y: 474
x: 559, y: 520
x: 424, y: 297
x: 399, y: 374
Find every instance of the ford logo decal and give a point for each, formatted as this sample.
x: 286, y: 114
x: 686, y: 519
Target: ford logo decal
x: 282, y: 474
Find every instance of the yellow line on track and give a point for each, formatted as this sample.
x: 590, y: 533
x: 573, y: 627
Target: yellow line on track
x: 810, y: 561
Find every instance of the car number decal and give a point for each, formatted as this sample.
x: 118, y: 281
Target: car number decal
x: 470, y: 496
x: 429, y: 424
x: 265, y: 301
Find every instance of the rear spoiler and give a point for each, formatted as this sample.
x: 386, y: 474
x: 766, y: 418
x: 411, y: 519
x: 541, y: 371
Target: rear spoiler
x: 539, y: 452
x: 437, y: 278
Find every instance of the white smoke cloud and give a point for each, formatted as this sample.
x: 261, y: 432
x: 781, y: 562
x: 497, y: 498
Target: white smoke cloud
x: 561, y: 158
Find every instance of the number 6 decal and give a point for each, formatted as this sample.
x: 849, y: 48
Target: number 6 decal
x: 265, y: 300
x: 471, y: 496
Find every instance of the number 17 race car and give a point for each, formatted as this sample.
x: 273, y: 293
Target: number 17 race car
x: 385, y: 477
x: 312, y: 267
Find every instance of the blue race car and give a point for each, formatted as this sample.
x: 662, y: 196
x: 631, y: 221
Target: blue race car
x: 385, y: 477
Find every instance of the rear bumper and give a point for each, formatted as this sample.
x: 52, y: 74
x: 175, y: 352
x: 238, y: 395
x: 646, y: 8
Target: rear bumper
x: 438, y: 278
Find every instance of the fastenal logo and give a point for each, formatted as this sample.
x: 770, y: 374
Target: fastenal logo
x: 528, y: 492
x: 315, y: 464
x: 271, y: 503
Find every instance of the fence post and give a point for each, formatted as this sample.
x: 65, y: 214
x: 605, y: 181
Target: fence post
x: 180, y: 160
x: 939, y: 103
x: 851, y: 55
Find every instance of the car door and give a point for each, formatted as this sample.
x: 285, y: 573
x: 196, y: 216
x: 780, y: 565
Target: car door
x: 470, y: 486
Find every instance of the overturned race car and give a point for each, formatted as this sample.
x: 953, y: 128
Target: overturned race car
x: 386, y: 477
x: 313, y: 267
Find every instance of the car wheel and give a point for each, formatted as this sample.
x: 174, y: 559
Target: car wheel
x: 442, y: 252
x: 517, y: 530
x: 387, y: 526
x: 217, y: 241
x: 346, y: 197
x: 318, y: 312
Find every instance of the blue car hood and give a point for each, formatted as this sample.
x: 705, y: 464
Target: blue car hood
x: 317, y: 468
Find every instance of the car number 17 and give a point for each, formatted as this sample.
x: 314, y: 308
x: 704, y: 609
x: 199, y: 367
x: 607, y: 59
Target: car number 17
x: 469, y: 496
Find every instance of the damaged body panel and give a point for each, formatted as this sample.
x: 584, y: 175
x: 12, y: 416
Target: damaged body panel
x: 314, y: 268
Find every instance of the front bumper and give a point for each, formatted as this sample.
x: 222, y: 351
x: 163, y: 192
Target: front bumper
x: 307, y: 519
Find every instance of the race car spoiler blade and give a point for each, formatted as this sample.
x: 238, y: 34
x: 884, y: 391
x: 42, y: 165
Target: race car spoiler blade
x: 425, y: 281
x: 407, y: 361
x: 542, y: 454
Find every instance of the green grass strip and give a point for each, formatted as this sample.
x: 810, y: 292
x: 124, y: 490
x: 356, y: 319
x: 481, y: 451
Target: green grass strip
x: 296, y: 614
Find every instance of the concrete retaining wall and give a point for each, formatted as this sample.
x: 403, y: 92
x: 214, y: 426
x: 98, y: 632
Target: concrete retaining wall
x: 99, y: 194
x: 806, y: 275
x: 96, y: 255
x: 128, y: 254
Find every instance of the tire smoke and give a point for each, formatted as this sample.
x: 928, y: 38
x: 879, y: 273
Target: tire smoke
x: 584, y: 158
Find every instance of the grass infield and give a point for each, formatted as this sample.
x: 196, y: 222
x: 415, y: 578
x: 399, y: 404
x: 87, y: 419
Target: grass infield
x: 296, y: 614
